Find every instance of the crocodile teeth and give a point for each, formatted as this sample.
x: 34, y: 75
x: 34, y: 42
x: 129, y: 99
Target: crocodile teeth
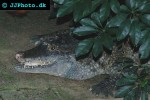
x: 26, y: 66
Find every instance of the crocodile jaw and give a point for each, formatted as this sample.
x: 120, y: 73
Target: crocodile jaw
x: 31, y: 69
x: 64, y: 66
x: 51, y: 69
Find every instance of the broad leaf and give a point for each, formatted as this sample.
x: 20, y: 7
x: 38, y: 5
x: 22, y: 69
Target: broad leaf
x: 135, y: 32
x: 79, y: 8
x: 88, y: 22
x: 144, y: 95
x: 124, y: 9
x: 131, y: 4
x: 146, y: 19
x: 95, y: 4
x: 146, y: 66
x: 125, y: 81
x: 82, y: 8
x: 97, y: 47
x: 115, y: 6
x: 144, y: 6
x: 84, y: 47
x: 117, y: 20
x: 104, y: 11
x: 96, y: 19
x: 107, y: 41
x: 104, y: 40
x: 123, y: 91
x: 144, y: 49
x: 84, y: 30
x: 112, y: 32
x: 128, y: 98
x: 131, y: 95
x: 144, y: 83
x: 124, y: 29
x: 130, y: 76
x: 148, y: 88
x: 66, y: 8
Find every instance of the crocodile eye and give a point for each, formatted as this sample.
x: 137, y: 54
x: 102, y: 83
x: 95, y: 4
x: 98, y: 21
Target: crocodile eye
x: 53, y: 48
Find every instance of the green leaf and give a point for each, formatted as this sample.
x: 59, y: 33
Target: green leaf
x: 131, y: 76
x: 144, y: 95
x: 124, y: 9
x: 144, y: 6
x: 131, y: 95
x: 123, y: 91
x: 124, y: 29
x: 148, y: 88
x: 107, y: 41
x: 144, y: 83
x: 97, y: 47
x: 144, y: 49
x: 95, y: 4
x: 96, y: 18
x: 104, y: 11
x: 135, y: 32
x: 112, y: 32
x: 115, y: 6
x: 65, y: 8
x: 146, y: 19
x: 131, y: 4
x: 88, y: 22
x: 117, y: 20
x: 128, y: 98
x: 104, y: 40
x: 125, y: 81
x: 82, y: 8
x: 59, y: 1
x: 146, y: 66
x: 84, y: 30
x: 84, y: 47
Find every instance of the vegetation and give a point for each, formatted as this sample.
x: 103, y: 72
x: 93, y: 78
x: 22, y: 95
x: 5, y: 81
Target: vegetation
x: 103, y: 23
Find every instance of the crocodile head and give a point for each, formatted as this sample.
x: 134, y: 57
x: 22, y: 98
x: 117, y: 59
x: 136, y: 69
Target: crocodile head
x: 33, y: 57
x: 51, y: 65
x: 41, y: 60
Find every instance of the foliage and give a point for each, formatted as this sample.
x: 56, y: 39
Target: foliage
x: 102, y: 23
x: 102, y: 35
x: 135, y: 83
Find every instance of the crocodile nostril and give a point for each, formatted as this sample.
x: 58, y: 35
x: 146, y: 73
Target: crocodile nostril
x: 19, y: 56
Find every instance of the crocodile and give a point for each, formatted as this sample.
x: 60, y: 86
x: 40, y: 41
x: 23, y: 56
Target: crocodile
x: 53, y: 54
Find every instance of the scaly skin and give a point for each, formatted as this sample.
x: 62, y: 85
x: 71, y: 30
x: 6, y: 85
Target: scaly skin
x: 54, y: 55
x: 61, y: 64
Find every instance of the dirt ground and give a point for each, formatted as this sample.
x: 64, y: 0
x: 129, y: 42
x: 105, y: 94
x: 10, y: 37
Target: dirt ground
x: 14, y: 36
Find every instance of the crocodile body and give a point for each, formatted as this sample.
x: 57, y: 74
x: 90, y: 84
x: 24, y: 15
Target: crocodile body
x: 53, y: 54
